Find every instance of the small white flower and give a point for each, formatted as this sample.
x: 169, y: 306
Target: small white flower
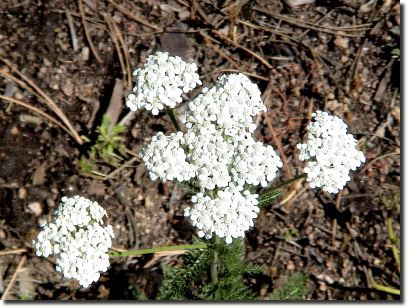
x: 161, y: 82
x: 331, y: 152
x: 78, y: 238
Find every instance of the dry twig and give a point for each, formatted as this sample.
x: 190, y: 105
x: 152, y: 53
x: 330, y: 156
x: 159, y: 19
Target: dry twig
x: 262, y: 60
x: 86, y: 30
x: 13, y: 279
x: 130, y: 15
x: 50, y: 103
x: 72, y: 30
x: 35, y: 109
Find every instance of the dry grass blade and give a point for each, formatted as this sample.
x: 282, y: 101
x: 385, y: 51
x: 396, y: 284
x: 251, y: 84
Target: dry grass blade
x: 88, y: 36
x: 313, y: 26
x: 207, y: 40
x: 50, y: 103
x: 113, y: 34
x: 130, y: 15
x: 375, y: 159
x: 125, y: 58
x: 23, y: 85
x: 13, y: 251
x: 15, y: 101
x: 264, y: 62
x: 13, y: 279
x: 278, y: 145
x: 200, y: 11
x: 125, y: 165
x: 245, y: 73
x: 72, y: 30
x: 290, y: 40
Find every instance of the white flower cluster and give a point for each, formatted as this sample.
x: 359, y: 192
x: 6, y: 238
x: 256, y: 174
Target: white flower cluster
x: 230, y: 104
x: 161, y: 82
x: 229, y: 215
x: 332, y: 153
x: 165, y: 158
x: 78, y: 237
x: 219, y: 155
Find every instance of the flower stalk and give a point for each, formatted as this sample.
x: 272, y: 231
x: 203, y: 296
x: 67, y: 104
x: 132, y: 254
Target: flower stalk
x: 153, y: 250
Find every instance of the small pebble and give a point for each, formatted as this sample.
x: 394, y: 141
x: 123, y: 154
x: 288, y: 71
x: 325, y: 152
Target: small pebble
x: 341, y: 42
x: 85, y: 53
x: 36, y: 208
x: 14, y: 130
x: 68, y: 89
x: 22, y: 193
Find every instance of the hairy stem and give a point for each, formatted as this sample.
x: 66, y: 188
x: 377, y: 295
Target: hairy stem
x: 214, y: 269
x: 153, y: 250
x: 276, y: 188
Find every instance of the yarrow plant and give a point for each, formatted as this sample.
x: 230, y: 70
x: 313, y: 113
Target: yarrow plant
x: 218, y: 155
x: 216, y: 158
x: 78, y: 238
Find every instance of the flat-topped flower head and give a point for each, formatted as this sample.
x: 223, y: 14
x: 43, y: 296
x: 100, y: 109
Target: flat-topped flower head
x: 165, y: 158
x: 230, y: 105
x: 161, y: 82
x: 228, y: 215
x: 331, y: 152
x: 78, y: 238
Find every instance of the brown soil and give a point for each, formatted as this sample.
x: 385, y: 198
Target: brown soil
x: 337, y: 56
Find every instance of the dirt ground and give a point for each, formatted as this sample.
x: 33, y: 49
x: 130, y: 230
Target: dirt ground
x: 341, y: 56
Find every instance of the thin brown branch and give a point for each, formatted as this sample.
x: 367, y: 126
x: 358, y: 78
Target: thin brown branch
x: 87, y: 34
x: 207, y: 41
x: 35, y: 109
x: 13, y: 251
x: 262, y: 60
x: 72, y: 30
x: 130, y: 15
x: 125, y: 165
x: 200, y: 11
x: 278, y: 145
x: 126, y: 55
x: 50, y: 103
x: 242, y: 72
x: 113, y: 35
x: 313, y: 26
x: 13, y: 279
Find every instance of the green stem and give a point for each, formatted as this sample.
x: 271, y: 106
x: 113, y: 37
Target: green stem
x: 153, y: 250
x: 274, y: 189
x: 394, y: 241
x: 173, y: 118
x: 380, y: 287
x: 214, y: 269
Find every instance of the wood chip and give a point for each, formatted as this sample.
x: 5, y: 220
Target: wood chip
x: 39, y: 174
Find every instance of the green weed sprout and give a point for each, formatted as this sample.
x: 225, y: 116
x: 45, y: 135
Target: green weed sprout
x: 107, y: 149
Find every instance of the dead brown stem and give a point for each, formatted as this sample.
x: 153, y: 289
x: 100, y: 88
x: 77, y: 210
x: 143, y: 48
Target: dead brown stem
x: 15, y: 101
x: 13, y: 279
x: 50, y: 103
x: 86, y: 30
x: 130, y: 15
x: 263, y: 61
